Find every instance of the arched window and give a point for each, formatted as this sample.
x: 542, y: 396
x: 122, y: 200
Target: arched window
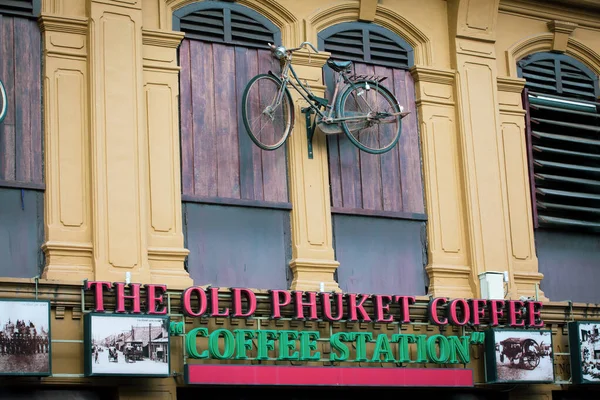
x: 21, y: 156
x: 377, y: 200
x: 563, y: 141
x: 236, y: 203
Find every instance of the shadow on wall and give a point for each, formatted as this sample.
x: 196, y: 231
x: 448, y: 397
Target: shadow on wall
x: 570, y: 263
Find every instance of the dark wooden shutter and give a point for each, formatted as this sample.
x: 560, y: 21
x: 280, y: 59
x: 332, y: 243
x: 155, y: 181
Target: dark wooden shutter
x: 219, y: 161
x: 21, y: 131
x: 389, y: 184
x: 22, y: 8
x: 563, y: 128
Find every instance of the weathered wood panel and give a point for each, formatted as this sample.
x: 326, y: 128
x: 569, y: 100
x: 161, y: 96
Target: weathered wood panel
x: 21, y: 232
x: 237, y: 246
x: 380, y: 255
x: 218, y: 159
x: 388, y: 182
x: 21, y: 130
x: 569, y: 262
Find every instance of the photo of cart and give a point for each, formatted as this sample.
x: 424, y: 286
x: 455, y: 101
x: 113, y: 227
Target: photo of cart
x: 519, y: 356
x: 522, y: 352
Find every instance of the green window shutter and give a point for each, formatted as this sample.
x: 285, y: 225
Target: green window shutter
x: 226, y: 23
x: 563, y: 135
x: 20, y: 8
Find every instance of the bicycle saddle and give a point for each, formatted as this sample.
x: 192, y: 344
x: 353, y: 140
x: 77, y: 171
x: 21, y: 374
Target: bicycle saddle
x: 338, y: 66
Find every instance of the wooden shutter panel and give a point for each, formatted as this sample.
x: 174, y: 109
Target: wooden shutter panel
x: 21, y: 160
x: 389, y: 184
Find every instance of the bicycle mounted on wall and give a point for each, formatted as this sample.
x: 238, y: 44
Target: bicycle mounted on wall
x: 365, y: 111
x: 3, y: 102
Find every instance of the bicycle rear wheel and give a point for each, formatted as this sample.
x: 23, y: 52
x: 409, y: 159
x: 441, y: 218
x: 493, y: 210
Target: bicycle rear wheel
x: 3, y: 102
x: 268, y: 121
x: 377, y: 126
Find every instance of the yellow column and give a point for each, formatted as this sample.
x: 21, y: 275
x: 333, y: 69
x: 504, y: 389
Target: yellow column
x: 68, y: 207
x: 166, y: 253
x: 490, y: 179
x: 119, y: 147
x: 448, y: 268
x: 313, y: 259
x: 514, y: 162
x: 474, y: 35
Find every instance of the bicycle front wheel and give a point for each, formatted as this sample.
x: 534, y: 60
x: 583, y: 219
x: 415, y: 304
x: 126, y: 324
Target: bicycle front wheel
x: 267, y: 112
x: 3, y: 102
x: 373, y: 124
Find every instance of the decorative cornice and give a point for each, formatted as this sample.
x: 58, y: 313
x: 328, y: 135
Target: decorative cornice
x: 561, y: 26
x: 74, y: 25
x: 508, y: 84
x: 310, y: 59
x: 160, y: 38
x: 550, y: 11
x: 427, y: 74
x: 167, y: 253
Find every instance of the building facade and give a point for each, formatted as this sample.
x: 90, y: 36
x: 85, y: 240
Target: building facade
x: 124, y: 158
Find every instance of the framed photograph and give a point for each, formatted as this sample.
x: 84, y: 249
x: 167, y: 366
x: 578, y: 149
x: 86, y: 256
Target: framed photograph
x: 584, y: 344
x: 25, y: 344
x: 517, y: 356
x: 127, y: 345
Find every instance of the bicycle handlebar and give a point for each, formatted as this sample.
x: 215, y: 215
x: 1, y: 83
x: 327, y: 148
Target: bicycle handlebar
x: 281, y: 51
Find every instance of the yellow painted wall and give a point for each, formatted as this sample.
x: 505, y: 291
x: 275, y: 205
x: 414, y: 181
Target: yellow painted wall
x: 112, y: 167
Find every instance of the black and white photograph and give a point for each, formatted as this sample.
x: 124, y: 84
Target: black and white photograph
x: 519, y: 356
x: 127, y: 345
x: 584, y: 341
x: 25, y: 338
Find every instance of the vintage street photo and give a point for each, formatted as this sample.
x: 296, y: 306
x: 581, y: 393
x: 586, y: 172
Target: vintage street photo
x: 520, y: 356
x: 589, y: 351
x: 24, y: 337
x: 127, y: 345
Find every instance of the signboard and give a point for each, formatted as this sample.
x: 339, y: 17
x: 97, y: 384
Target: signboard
x: 518, y: 356
x: 126, y: 345
x: 25, y: 341
x: 328, y: 341
x: 584, y: 342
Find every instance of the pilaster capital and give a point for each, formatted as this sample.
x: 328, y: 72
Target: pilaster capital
x: 74, y: 25
x: 161, y: 38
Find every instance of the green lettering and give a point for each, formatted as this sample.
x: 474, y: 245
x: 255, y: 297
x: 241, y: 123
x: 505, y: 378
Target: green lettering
x: 266, y: 341
x: 191, y: 345
x: 308, y: 343
x: 287, y: 342
x: 421, y: 349
x: 460, y: 347
x: 382, y: 347
x: 361, y: 339
x: 336, y: 340
x: 403, y: 340
x: 228, y: 344
x: 243, y: 342
x: 434, y: 342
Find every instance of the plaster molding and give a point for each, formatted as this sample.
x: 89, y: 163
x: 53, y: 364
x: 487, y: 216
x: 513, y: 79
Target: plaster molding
x: 557, y: 26
x: 510, y: 84
x: 434, y: 75
x: 50, y: 23
x: 549, y: 12
x: 387, y: 18
x: 160, y: 38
